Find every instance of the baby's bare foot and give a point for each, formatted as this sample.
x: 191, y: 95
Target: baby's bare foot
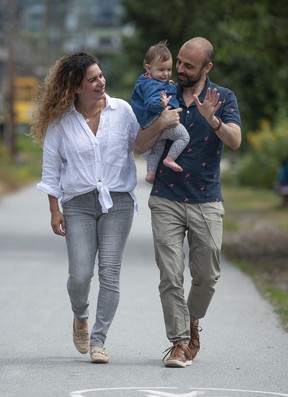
x: 170, y: 163
x: 150, y: 177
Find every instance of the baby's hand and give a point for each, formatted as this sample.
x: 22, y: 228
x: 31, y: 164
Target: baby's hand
x: 164, y: 99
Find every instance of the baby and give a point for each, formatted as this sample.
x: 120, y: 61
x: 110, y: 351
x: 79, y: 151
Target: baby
x: 151, y: 94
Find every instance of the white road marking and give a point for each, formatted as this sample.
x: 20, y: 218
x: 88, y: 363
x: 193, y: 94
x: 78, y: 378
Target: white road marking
x: 197, y: 391
x: 79, y: 393
x: 165, y: 394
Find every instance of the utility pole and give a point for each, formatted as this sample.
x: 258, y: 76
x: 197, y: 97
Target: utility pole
x: 10, y: 128
x: 47, y: 27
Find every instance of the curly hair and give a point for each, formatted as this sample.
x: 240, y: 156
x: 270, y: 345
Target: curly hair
x: 157, y: 52
x: 55, y: 94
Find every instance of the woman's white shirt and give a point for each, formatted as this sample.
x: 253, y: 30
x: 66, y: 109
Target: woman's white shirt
x: 75, y: 161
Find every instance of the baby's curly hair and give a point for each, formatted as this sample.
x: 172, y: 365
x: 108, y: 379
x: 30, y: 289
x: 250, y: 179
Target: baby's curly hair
x: 55, y: 94
x: 159, y: 52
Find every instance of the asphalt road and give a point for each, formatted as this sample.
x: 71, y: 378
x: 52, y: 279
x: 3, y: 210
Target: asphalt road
x: 244, y: 351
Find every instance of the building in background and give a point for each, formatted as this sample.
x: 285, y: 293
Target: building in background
x: 43, y: 31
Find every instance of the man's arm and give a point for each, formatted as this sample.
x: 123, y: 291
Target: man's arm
x: 147, y: 137
x: 230, y: 133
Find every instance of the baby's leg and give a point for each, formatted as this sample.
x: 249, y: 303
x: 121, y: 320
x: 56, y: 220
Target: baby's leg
x: 153, y: 159
x: 180, y: 137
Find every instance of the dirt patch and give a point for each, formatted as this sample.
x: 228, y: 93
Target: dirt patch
x: 260, y: 246
x: 266, y: 249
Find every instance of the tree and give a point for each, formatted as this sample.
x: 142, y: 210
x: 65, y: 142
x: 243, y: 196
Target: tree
x: 250, y: 41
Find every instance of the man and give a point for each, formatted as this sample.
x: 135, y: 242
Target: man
x: 190, y: 203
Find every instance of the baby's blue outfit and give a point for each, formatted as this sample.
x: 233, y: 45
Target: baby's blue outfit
x: 145, y: 102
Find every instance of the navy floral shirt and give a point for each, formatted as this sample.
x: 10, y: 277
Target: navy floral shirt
x: 200, y: 180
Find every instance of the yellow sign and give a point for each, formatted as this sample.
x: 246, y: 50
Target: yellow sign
x: 25, y: 88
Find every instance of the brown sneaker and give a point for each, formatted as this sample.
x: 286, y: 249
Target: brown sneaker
x: 98, y: 355
x: 194, y: 344
x: 180, y: 356
x: 81, y: 338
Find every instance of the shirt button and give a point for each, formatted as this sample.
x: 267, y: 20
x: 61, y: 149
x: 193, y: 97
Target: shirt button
x: 188, y: 112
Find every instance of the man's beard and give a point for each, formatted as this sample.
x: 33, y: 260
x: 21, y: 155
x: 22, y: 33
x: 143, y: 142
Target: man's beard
x: 188, y: 82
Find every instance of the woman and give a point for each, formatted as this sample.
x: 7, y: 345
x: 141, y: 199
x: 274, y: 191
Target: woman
x: 88, y: 164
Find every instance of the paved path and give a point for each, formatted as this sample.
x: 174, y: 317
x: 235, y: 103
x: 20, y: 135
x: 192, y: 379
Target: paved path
x: 244, y: 350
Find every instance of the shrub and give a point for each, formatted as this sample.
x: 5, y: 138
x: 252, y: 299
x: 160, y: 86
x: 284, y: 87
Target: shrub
x: 267, y: 148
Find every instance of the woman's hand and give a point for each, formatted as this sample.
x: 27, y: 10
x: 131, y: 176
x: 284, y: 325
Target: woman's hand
x: 58, y: 223
x: 57, y: 218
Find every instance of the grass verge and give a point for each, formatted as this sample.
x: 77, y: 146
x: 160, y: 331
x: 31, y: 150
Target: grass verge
x: 256, y: 240
x: 25, y: 169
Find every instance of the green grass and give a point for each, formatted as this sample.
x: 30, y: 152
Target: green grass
x: 257, y: 214
x: 279, y: 298
x: 25, y: 169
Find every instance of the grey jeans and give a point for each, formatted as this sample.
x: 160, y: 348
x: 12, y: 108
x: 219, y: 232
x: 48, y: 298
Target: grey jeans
x: 203, y: 224
x: 88, y: 232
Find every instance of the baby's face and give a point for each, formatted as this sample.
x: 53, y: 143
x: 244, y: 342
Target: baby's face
x: 160, y: 70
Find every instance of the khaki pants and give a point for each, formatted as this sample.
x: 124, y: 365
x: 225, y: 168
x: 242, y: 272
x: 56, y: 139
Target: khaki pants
x: 203, y: 224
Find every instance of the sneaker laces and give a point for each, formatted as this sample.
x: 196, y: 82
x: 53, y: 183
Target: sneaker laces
x: 172, y: 349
